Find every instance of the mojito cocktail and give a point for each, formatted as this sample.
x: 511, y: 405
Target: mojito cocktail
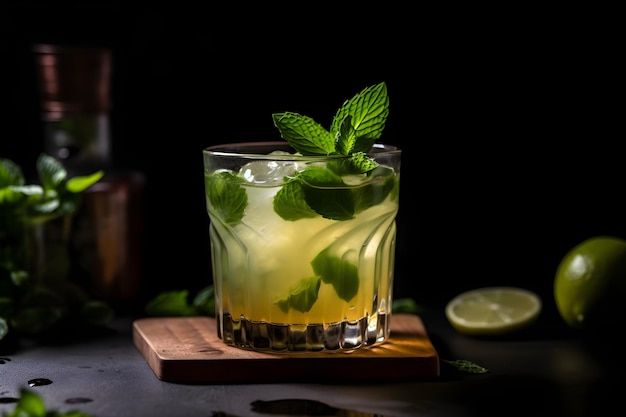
x: 302, y: 245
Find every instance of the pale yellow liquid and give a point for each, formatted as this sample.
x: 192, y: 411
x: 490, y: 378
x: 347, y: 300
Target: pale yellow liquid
x: 258, y: 260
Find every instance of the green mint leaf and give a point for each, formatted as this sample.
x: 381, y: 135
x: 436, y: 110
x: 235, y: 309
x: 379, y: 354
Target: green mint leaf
x: 51, y: 172
x: 14, y: 194
x: 382, y: 181
x: 40, y: 210
x: 368, y: 113
x: 345, y: 137
x: 79, y: 184
x: 30, y: 404
x: 466, y: 366
x: 226, y: 195
x: 338, y: 272
x: 10, y: 173
x: 362, y: 163
x: 204, y: 301
x: 325, y: 193
x: 96, y: 313
x: 170, y: 303
x: 304, y: 134
x: 301, y: 296
x: 4, y: 328
x: 405, y: 306
x: 290, y: 202
x: 358, y: 163
x: 317, y: 176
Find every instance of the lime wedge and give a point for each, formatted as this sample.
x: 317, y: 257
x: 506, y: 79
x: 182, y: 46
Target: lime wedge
x: 493, y: 310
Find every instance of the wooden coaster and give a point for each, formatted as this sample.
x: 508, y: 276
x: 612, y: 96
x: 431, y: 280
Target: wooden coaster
x: 187, y: 350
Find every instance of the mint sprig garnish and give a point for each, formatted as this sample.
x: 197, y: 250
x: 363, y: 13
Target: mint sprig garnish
x: 358, y: 123
x: 353, y: 131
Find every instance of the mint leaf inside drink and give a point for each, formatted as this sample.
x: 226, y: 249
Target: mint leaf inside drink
x: 301, y: 296
x: 357, y: 163
x: 326, y: 193
x: 226, y: 195
x: 339, y: 272
x: 290, y: 202
x: 381, y: 183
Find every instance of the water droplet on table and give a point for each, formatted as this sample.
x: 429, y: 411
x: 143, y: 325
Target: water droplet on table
x: 37, y: 382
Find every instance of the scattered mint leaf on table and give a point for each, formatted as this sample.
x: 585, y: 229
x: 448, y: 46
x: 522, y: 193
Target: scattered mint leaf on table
x: 466, y: 366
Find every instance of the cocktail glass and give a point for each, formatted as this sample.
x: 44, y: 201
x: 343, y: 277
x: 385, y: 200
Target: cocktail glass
x: 302, y: 259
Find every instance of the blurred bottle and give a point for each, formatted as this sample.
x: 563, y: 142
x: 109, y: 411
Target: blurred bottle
x: 107, y: 237
x: 75, y: 97
x: 74, y: 86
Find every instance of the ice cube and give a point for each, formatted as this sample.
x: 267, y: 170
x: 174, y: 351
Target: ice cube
x: 269, y: 173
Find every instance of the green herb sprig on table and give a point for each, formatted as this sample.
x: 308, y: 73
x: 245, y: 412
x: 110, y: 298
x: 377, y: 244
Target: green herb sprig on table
x: 29, y: 304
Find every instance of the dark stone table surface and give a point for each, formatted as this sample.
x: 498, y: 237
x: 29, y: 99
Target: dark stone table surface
x: 547, y: 370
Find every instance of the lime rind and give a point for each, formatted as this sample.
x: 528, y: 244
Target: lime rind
x: 493, y: 310
x: 588, y: 276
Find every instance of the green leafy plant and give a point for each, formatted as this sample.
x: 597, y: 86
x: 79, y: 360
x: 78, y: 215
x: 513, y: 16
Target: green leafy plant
x: 32, y: 302
x: 30, y: 404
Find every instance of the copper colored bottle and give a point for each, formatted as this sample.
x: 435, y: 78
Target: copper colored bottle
x: 74, y: 89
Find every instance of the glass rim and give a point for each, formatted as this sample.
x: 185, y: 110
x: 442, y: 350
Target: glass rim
x: 230, y: 150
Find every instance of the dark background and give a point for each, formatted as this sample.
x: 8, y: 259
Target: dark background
x: 508, y: 120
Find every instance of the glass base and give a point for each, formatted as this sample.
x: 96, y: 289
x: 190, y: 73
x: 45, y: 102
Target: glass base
x: 278, y: 337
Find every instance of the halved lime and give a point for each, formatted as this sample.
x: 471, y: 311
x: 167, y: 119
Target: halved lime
x: 493, y: 310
